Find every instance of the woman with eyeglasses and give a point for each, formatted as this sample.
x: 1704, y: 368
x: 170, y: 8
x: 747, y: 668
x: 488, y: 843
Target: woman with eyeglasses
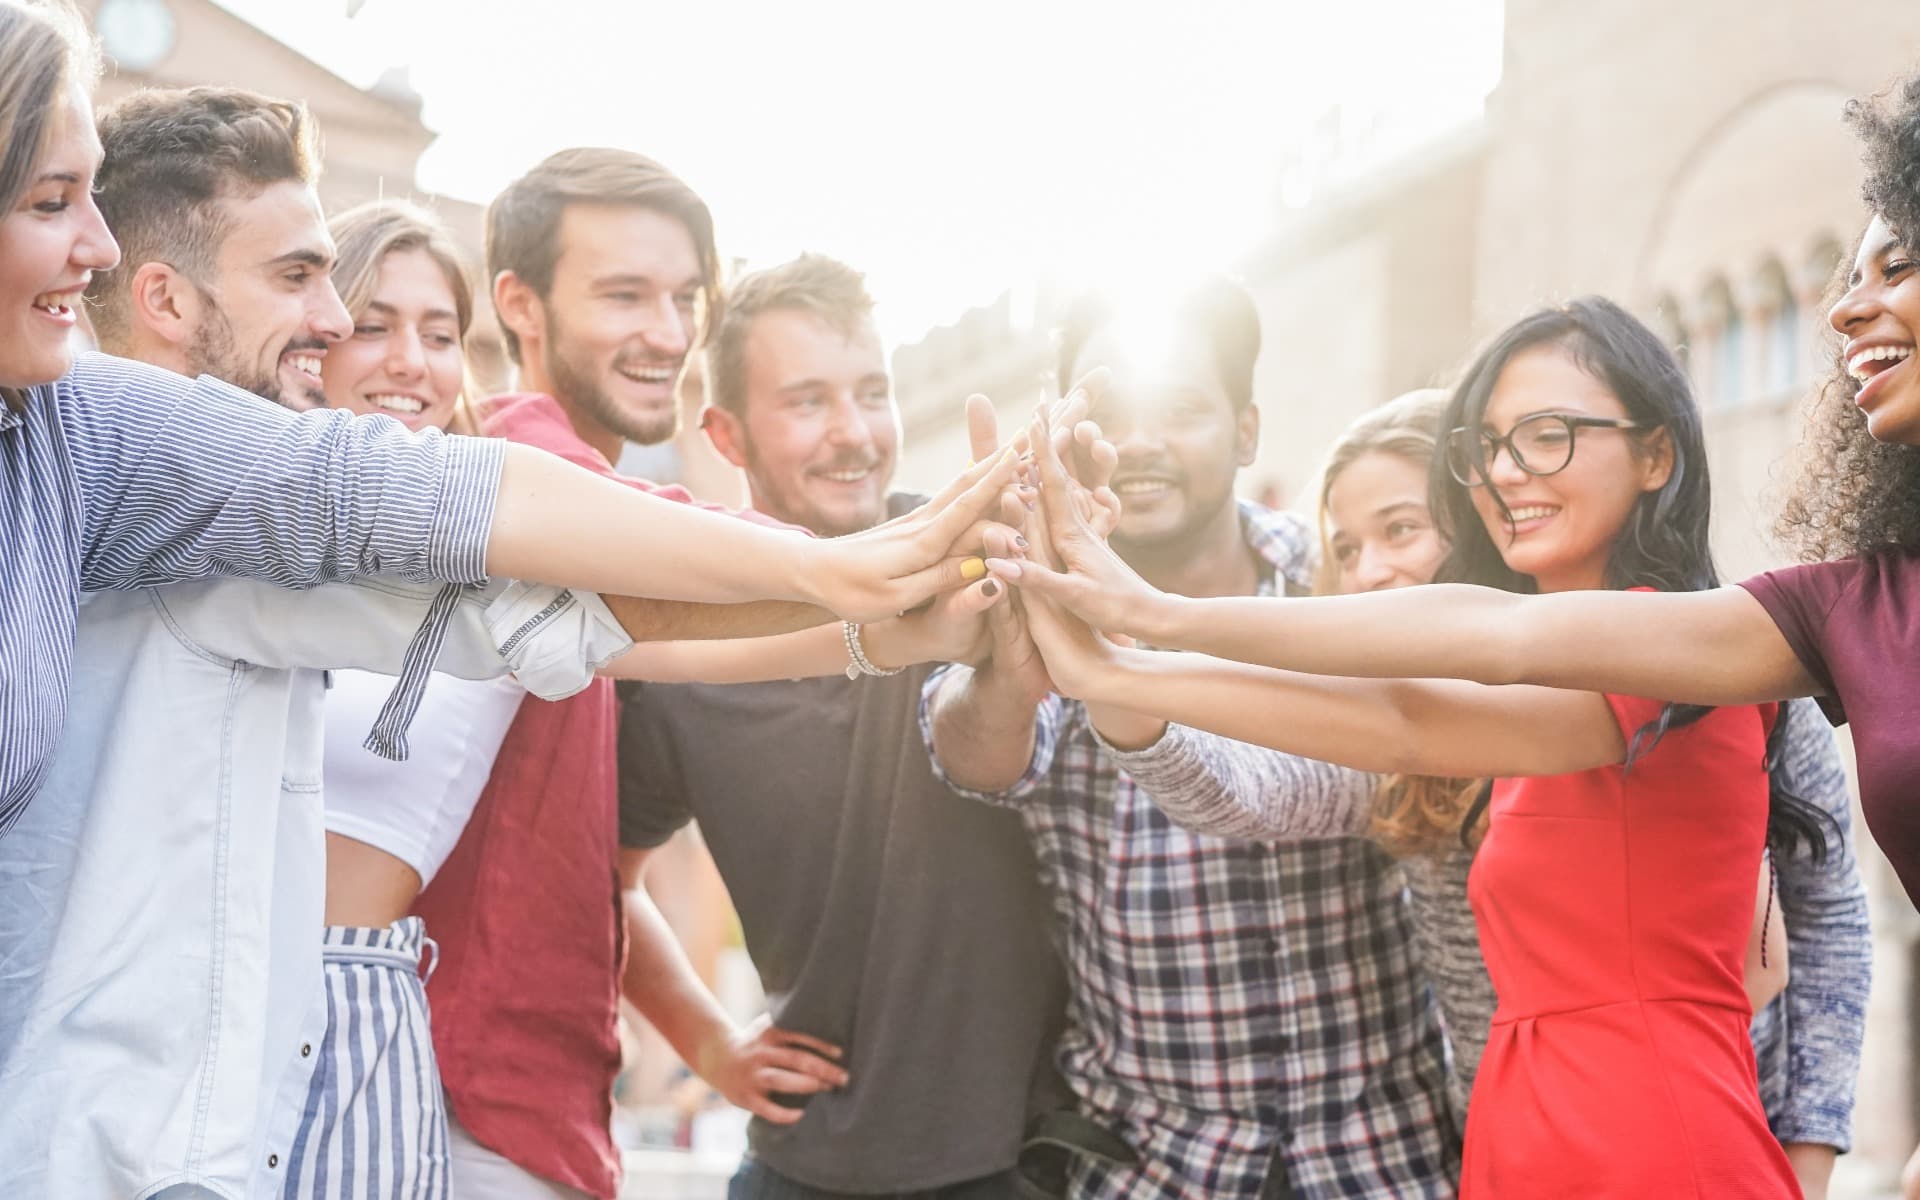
x: 1613, y: 889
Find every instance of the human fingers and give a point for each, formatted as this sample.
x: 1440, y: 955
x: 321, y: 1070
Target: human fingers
x: 983, y: 427
x: 803, y: 1063
x: 806, y: 1041
x: 972, y: 497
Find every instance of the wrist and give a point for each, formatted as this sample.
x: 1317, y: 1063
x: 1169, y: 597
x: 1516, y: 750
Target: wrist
x: 1161, y: 621
x: 891, y: 644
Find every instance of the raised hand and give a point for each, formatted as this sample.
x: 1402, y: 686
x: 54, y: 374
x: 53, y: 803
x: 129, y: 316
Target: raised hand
x: 1078, y: 570
x: 886, y: 570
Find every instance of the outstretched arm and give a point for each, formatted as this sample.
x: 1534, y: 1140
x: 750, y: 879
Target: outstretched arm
x: 1400, y: 726
x: 1715, y: 647
x: 559, y: 524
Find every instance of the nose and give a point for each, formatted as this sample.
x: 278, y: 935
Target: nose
x: 406, y: 357
x: 94, y: 249
x: 329, y: 320
x: 669, y: 332
x: 845, y: 427
x: 1372, y: 571
x: 1860, y: 305
x: 1502, y: 469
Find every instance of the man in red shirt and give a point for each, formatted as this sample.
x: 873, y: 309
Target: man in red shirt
x: 604, y: 276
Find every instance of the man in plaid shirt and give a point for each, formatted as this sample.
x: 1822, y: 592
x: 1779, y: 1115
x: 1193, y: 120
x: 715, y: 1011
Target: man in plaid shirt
x: 1246, y: 1017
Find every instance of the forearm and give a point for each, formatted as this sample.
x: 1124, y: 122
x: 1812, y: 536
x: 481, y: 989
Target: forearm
x: 1412, y: 727
x: 1228, y: 788
x: 648, y: 620
x: 559, y: 524
x: 1812, y: 1166
x: 982, y: 736
x: 661, y: 983
x: 1708, y: 648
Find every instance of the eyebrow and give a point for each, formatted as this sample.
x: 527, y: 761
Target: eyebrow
x: 432, y: 314
x: 309, y: 257
x: 1396, y: 506
x: 632, y: 278
x: 1879, y: 252
x: 802, y: 385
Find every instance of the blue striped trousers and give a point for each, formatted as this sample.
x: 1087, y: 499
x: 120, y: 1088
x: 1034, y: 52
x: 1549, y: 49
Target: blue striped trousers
x: 375, y: 1123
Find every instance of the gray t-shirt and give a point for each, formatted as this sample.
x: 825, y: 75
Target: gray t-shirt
x: 884, y: 914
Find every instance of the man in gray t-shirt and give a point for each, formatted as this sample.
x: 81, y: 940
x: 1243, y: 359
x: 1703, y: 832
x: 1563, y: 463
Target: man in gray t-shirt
x: 901, y: 933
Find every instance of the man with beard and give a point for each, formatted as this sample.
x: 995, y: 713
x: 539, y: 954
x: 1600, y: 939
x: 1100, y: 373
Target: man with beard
x: 197, y: 245
x: 1244, y: 1017
x: 603, y: 267
x: 899, y: 933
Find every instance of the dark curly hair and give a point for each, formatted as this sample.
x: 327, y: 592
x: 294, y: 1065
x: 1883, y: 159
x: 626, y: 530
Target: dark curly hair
x: 1849, y: 494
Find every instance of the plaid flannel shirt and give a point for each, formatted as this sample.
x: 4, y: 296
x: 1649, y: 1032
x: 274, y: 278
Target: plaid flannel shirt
x: 1233, y: 1003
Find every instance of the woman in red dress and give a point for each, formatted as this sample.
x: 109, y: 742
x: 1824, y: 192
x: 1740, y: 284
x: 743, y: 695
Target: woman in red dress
x: 1613, y: 889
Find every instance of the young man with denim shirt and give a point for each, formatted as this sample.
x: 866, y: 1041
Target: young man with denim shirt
x: 1245, y: 1019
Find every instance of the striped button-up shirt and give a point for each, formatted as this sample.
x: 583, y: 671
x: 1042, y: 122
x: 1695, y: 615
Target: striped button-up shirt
x: 1236, y: 1007
x: 122, y: 476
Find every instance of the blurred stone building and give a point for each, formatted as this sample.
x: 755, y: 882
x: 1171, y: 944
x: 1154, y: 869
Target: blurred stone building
x: 1686, y: 159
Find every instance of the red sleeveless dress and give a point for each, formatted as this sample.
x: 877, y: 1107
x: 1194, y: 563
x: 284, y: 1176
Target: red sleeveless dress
x: 1614, y: 907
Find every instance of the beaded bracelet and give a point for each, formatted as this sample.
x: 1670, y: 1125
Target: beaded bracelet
x: 858, y: 663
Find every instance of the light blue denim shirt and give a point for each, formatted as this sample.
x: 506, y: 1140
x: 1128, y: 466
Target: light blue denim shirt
x: 161, y: 900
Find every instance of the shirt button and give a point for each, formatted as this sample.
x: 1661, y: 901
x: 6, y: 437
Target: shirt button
x: 273, y: 1160
x: 306, y: 1050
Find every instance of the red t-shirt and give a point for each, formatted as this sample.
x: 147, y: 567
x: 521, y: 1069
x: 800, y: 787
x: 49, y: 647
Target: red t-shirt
x: 526, y: 910
x: 1855, y: 625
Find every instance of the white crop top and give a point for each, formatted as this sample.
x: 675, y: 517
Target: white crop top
x: 414, y: 810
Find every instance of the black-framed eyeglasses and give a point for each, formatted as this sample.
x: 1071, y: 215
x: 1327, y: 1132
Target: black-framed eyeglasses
x: 1541, y: 444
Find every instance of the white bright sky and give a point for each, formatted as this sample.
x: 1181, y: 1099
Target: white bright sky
x: 949, y: 150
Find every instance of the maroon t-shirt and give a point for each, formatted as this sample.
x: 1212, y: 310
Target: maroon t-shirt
x: 1855, y: 625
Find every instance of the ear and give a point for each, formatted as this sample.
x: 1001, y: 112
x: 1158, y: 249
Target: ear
x: 165, y: 304
x: 519, y: 309
x: 1656, y: 460
x: 728, y: 434
x: 1246, y: 434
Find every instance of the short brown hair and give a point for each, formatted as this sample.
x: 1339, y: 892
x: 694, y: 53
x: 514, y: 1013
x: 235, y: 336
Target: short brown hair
x: 171, y: 155
x: 523, y: 222
x: 365, y: 234
x: 813, y: 283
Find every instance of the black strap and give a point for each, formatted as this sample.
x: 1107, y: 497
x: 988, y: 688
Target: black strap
x: 1052, y: 1141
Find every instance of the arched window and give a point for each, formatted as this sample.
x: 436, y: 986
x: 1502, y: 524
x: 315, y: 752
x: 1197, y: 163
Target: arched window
x: 1781, y: 372
x: 1722, y: 317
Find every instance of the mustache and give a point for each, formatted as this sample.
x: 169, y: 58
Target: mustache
x: 305, y: 343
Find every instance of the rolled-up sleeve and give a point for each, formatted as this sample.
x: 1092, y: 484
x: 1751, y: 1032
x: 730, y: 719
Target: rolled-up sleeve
x: 1809, y: 1090
x: 1047, y: 720
x: 185, y: 479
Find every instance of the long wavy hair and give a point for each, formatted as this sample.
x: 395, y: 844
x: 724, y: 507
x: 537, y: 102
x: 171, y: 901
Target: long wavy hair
x: 1412, y: 814
x: 1850, y: 494
x: 1664, y: 543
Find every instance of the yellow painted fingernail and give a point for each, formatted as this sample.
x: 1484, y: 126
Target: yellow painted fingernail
x: 973, y: 568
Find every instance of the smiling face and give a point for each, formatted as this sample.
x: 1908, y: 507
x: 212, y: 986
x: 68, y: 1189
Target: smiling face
x: 404, y: 357
x: 1180, y: 439
x: 1880, y: 318
x: 50, y: 244
x: 615, y: 327
x: 819, y: 433
x: 1379, y: 530
x: 1561, y: 528
x: 271, y: 314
